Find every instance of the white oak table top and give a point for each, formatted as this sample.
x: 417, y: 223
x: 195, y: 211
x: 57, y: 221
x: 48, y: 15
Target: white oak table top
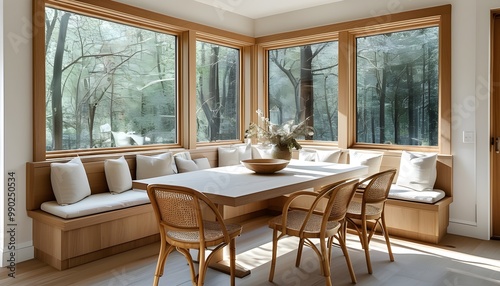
x: 237, y: 185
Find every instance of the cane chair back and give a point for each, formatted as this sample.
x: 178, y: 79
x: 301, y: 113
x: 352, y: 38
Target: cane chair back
x: 179, y: 213
x: 309, y: 224
x: 371, y: 209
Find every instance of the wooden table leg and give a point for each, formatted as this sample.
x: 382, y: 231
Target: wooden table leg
x: 221, y: 263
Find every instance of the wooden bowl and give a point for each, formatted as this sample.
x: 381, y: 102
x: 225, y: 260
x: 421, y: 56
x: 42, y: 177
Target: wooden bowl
x: 265, y: 166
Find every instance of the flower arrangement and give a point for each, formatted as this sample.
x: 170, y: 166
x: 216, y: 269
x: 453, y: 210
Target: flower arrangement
x: 283, y: 136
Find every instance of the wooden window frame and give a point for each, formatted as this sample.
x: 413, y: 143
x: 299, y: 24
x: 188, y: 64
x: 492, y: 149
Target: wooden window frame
x: 346, y: 34
x: 253, y: 68
x: 187, y: 34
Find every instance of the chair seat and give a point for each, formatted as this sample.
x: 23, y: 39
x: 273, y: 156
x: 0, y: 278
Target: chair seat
x: 354, y: 210
x: 295, y: 220
x: 213, y: 234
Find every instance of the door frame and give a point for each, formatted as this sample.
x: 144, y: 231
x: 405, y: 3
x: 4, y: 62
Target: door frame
x: 495, y: 124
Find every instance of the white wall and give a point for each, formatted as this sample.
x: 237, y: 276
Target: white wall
x: 470, y: 80
x: 17, y: 118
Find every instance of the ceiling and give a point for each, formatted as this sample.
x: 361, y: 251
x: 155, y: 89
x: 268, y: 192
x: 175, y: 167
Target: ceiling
x: 255, y: 9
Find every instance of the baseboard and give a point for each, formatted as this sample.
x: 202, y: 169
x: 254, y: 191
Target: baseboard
x: 23, y: 252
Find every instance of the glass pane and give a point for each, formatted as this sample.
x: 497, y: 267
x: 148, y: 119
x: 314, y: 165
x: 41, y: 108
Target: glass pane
x: 303, y: 83
x: 397, y: 88
x: 217, y: 92
x: 108, y: 84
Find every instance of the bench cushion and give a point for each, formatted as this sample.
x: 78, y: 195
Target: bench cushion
x: 407, y: 194
x: 97, y: 203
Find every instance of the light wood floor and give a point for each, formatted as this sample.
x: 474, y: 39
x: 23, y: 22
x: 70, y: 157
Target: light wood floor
x: 457, y: 261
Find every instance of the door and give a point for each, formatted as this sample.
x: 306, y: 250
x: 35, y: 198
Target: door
x: 495, y: 127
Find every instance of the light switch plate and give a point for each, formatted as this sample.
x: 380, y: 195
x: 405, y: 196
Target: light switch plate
x: 468, y: 137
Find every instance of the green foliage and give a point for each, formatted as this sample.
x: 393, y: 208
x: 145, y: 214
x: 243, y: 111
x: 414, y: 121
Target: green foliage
x: 114, y: 75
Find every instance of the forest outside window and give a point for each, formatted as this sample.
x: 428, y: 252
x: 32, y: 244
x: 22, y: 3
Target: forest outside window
x: 217, y: 92
x: 303, y: 84
x: 397, y: 87
x: 108, y: 84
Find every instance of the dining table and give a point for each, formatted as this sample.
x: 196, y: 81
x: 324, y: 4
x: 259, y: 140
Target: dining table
x: 236, y: 185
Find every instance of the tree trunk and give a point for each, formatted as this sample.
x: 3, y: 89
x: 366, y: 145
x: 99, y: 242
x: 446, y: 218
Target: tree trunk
x: 306, y: 87
x: 214, y: 95
x: 411, y: 103
x: 383, y: 90
x: 431, y: 107
x: 57, y: 112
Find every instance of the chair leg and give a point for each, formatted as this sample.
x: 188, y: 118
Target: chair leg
x: 325, y: 263
x: 162, y: 257
x: 202, y: 267
x: 299, y: 252
x: 347, y: 260
x: 185, y: 252
x: 273, y: 258
x: 386, y: 236
x: 365, y: 242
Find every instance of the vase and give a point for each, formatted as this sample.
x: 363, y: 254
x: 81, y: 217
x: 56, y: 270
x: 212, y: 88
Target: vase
x: 281, y: 152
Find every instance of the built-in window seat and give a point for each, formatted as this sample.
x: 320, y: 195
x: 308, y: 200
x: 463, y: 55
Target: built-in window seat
x: 103, y: 224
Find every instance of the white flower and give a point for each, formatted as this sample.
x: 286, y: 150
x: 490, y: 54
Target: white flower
x: 284, y: 135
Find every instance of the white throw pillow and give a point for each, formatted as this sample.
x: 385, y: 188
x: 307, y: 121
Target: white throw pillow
x: 69, y: 181
x: 118, y: 175
x: 328, y: 156
x: 232, y: 155
x: 245, y: 151
x: 371, y: 159
x: 417, y: 171
x: 228, y: 156
x: 187, y: 165
x: 186, y: 155
x: 153, y: 166
x: 307, y: 154
x: 261, y: 152
x: 202, y: 163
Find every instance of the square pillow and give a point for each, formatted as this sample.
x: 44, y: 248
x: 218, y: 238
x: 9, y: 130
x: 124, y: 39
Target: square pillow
x: 307, y: 154
x: 261, y: 152
x: 186, y: 155
x: 232, y: 155
x: 69, y: 181
x: 328, y: 156
x: 228, y: 156
x: 417, y: 171
x: 153, y: 166
x: 187, y: 165
x: 118, y: 175
x: 202, y: 163
x: 371, y: 159
x: 245, y: 151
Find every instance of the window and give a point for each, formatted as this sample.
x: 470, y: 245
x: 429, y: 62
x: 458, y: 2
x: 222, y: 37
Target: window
x: 397, y: 87
x: 303, y: 83
x: 379, y: 83
x: 217, y: 92
x: 107, y: 84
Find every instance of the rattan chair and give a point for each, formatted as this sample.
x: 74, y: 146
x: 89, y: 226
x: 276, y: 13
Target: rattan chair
x: 371, y: 210
x: 309, y: 224
x: 178, y: 211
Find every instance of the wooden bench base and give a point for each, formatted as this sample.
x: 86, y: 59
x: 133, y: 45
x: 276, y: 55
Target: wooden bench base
x: 418, y: 221
x: 64, y: 244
